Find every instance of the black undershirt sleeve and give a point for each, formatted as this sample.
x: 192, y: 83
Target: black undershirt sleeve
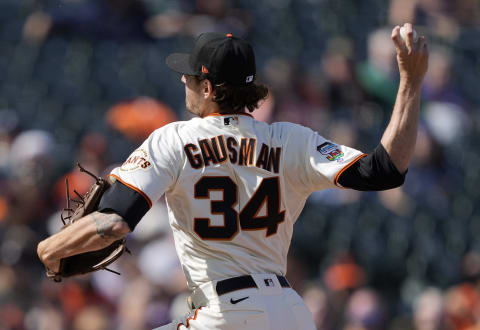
x: 372, y: 173
x: 125, y: 202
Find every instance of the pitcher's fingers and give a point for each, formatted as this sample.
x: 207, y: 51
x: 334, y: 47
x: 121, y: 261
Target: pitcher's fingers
x: 421, y: 44
x: 409, y: 37
x: 397, y: 40
x: 425, y: 49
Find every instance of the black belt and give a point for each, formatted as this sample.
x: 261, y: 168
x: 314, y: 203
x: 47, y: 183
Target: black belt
x: 245, y: 282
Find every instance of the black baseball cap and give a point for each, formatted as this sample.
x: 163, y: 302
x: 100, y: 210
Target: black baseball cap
x: 223, y: 58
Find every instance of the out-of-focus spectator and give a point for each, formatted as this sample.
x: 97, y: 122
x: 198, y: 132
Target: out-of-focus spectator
x: 447, y: 122
x: 92, y: 156
x: 35, y: 146
x: 316, y: 299
x: 200, y: 16
x: 140, y: 117
x: 471, y: 265
x: 120, y: 20
x: 429, y: 311
x: 302, y: 100
x: 344, y: 274
x: 461, y: 306
x: 365, y: 311
x: 75, y: 296
x: 132, y: 304
x: 92, y: 318
x: 428, y: 177
x: 341, y: 278
x: 46, y: 317
x: 164, y: 270
x: 435, y: 13
x: 92, y: 152
x: 396, y: 200
x: 344, y: 94
x: 377, y: 75
x: 8, y: 125
x: 76, y: 181
x: 12, y: 316
x: 31, y: 162
x: 438, y: 85
x: 297, y: 270
x: 37, y: 27
x: 467, y: 12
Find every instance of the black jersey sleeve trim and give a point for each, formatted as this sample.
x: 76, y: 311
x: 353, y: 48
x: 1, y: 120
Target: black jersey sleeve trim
x: 374, y: 172
x: 339, y: 173
x: 117, y: 178
x: 126, y: 202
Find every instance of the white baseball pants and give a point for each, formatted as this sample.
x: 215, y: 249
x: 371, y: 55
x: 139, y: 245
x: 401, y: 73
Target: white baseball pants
x: 268, y: 306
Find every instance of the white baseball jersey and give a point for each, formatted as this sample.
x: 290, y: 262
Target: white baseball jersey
x: 234, y: 188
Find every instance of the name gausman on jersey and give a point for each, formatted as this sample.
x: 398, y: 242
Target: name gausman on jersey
x: 219, y: 149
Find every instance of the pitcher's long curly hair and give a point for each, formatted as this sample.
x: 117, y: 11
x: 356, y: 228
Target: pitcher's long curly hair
x: 237, y: 98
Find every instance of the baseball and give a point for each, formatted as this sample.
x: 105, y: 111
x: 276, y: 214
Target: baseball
x: 403, y: 34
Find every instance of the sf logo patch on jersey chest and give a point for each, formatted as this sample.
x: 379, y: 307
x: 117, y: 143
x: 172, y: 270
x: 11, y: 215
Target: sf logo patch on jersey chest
x: 139, y: 159
x: 330, y: 151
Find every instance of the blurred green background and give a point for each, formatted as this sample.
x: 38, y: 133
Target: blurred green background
x: 85, y: 80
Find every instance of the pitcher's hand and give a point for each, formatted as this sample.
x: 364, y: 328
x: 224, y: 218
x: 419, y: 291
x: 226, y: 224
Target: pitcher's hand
x: 51, y: 264
x: 412, y: 58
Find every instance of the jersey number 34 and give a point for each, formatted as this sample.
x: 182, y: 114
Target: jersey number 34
x: 268, y: 193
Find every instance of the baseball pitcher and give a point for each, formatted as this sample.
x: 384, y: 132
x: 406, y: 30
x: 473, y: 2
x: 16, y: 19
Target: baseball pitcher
x: 235, y: 186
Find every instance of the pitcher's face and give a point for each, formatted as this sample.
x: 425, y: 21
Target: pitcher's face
x: 193, y: 96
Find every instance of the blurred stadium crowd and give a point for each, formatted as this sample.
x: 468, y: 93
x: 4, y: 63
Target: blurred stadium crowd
x: 85, y: 80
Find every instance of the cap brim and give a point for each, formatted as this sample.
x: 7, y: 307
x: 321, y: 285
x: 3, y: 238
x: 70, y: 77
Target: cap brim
x: 180, y: 63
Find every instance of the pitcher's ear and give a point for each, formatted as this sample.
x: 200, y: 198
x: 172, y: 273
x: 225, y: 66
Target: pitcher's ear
x: 207, y: 87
